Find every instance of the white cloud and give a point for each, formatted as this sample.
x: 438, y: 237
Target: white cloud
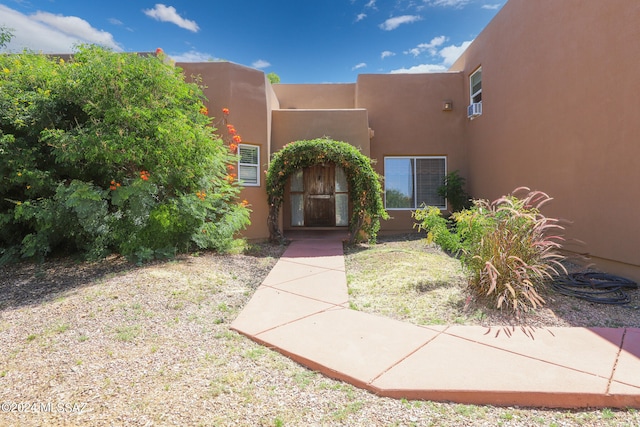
x: 448, y: 3
x: 260, y: 63
x: 169, y: 14
x: 386, y: 54
x: 119, y: 23
x: 49, y: 33
x: 491, y: 6
x: 451, y: 53
x: 371, y: 4
x: 395, y: 22
x: 193, y: 56
x: 75, y: 27
x: 428, y: 47
x: 358, y: 66
x: 423, y: 68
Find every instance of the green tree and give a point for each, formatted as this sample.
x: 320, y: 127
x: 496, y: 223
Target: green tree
x: 5, y: 36
x: 110, y: 152
x: 273, y: 78
x: 397, y: 199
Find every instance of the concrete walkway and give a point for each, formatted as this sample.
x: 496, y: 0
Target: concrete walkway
x: 301, y: 310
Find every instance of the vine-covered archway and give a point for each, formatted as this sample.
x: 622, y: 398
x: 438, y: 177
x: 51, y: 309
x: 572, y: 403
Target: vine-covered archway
x: 365, y: 189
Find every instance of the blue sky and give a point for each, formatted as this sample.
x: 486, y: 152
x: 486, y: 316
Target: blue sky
x: 303, y: 41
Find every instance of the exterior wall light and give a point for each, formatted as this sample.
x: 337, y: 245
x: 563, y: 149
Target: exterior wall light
x: 447, y: 105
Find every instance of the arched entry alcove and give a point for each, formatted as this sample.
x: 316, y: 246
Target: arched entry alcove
x: 321, y: 157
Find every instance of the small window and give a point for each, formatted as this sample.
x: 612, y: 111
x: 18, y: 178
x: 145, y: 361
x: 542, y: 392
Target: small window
x: 475, y: 85
x: 342, y: 198
x: 249, y: 164
x: 413, y: 181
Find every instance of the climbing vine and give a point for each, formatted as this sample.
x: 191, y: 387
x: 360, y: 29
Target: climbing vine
x: 365, y: 189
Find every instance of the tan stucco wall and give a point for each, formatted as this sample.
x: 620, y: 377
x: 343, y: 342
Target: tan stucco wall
x: 340, y: 125
x: 273, y: 103
x: 407, y: 118
x: 316, y: 96
x: 247, y: 94
x: 561, y: 115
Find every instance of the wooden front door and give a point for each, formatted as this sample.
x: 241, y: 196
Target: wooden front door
x: 319, y: 196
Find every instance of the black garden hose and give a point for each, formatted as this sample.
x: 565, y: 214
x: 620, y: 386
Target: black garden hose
x: 601, y: 288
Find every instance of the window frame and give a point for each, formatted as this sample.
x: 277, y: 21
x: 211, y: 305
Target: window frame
x: 478, y: 92
x: 255, y: 165
x: 443, y: 207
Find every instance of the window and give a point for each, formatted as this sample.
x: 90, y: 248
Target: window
x: 475, y: 94
x: 412, y: 181
x: 249, y: 164
x: 475, y: 86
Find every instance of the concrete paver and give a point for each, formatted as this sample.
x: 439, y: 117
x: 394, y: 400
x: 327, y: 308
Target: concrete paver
x: 270, y: 308
x: 454, y: 368
x: 301, y: 310
x: 349, y: 344
x: 580, y: 349
x: 325, y: 285
x: 626, y: 377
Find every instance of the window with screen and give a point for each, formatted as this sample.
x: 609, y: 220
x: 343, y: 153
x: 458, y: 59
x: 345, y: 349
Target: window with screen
x: 249, y: 164
x: 411, y: 182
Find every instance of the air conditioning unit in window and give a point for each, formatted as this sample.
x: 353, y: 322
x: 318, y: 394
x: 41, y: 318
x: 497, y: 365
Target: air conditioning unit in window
x: 474, y: 110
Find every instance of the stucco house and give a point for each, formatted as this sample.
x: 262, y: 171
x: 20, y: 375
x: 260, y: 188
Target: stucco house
x: 545, y: 97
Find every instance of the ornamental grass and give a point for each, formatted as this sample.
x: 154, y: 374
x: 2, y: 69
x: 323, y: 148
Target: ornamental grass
x: 510, y: 251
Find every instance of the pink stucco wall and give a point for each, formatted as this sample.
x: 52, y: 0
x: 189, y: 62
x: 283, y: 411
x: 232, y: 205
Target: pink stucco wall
x: 407, y: 117
x: 316, y: 96
x: 561, y: 115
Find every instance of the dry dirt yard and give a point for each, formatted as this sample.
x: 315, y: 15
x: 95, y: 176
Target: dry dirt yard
x: 114, y: 344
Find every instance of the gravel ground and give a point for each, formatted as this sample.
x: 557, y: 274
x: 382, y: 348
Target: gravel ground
x: 113, y: 344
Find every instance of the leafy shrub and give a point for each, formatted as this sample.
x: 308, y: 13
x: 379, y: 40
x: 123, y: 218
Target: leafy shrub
x: 437, y: 227
x: 508, y: 248
x: 453, y: 190
x: 110, y: 152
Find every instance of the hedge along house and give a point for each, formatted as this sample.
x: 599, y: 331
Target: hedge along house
x: 545, y: 97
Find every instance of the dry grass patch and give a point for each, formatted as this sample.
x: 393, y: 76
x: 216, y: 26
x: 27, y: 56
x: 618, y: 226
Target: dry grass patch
x: 405, y: 278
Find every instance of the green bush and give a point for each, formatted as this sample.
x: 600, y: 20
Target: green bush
x: 508, y: 248
x: 453, y: 190
x: 437, y: 227
x: 110, y: 152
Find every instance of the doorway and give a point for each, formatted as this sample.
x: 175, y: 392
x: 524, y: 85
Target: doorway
x: 319, y: 197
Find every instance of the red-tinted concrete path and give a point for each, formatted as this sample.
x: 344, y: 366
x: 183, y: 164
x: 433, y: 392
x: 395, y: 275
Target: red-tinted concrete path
x: 301, y: 310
